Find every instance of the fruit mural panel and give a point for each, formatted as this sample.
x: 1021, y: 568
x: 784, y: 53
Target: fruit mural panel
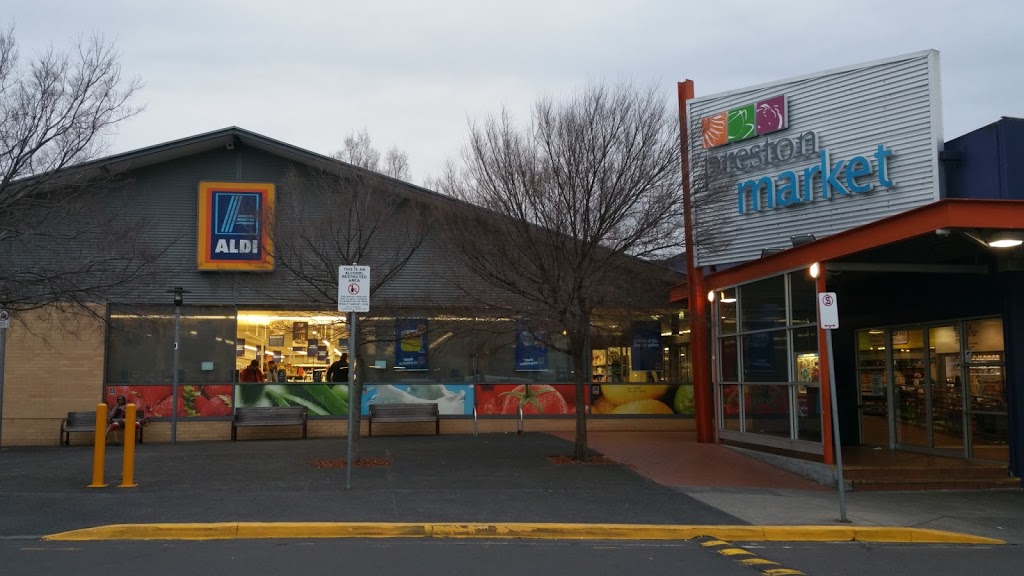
x: 642, y: 399
x: 320, y: 399
x: 154, y: 401
x: 506, y: 399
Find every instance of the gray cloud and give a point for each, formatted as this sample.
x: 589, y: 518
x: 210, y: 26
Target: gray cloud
x: 309, y: 72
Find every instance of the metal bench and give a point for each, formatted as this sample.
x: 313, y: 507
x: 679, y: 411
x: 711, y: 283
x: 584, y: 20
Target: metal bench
x: 269, y: 416
x: 426, y: 412
x: 86, y: 422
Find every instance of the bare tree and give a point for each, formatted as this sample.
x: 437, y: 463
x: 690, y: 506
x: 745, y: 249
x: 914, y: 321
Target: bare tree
x: 57, y: 110
x: 575, y: 201
x: 359, y: 151
x: 362, y: 218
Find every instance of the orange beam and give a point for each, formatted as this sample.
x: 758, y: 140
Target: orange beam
x: 823, y: 378
x: 700, y: 344
x: 950, y: 213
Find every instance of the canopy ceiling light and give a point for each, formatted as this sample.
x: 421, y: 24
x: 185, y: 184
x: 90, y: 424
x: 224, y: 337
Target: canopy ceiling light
x: 1005, y: 239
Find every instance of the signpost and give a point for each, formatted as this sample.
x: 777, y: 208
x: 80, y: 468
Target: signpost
x: 5, y: 323
x: 828, y: 320
x: 353, y: 296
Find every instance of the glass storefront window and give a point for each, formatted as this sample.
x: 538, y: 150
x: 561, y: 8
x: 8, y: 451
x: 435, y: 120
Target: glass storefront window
x: 140, y: 345
x: 803, y: 298
x: 730, y: 402
x: 765, y: 357
x: 727, y: 311
x: 805, y: 355
x: 809, y: 413
x: 729, y: 360
x: 763, y: 304
x: 767, y: 409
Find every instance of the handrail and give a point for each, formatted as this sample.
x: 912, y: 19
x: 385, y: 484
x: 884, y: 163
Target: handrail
x: 519, y: 422
x: 475, y: 429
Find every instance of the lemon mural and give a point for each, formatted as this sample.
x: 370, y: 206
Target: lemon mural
x: 643, y: 399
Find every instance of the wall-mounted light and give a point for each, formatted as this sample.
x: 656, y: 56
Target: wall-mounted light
x: 801, y: 239
x: 711, y: 296
x: 814, y: 270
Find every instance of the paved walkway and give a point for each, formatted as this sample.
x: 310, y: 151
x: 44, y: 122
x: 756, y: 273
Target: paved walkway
x: 676, y: 459
x: 666, y: 479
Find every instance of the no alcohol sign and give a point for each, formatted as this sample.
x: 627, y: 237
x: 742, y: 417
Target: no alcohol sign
x: 353, y: 289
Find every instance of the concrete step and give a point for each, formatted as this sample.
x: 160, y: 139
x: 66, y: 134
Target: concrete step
x: 911, y: 484
x: 995, y: 471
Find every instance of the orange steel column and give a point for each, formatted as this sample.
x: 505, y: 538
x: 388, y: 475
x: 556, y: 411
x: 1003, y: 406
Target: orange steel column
x: 99, y: 447
x: 699, y: 345
x: 128, y: 462
x: 823, y: 375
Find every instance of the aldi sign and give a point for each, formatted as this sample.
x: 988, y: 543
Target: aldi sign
x: 233, y: 226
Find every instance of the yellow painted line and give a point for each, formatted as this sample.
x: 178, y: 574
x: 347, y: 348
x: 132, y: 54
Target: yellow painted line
x: 715, y: 543
x: 254, y: 530
x: 735, y: 552
x: 757, y: 562
x: 782, y: 572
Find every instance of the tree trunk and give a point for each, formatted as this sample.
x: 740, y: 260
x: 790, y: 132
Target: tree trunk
x: 581, y: 362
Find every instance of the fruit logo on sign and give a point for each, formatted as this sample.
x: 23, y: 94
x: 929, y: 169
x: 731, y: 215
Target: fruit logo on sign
x: 756, y: 119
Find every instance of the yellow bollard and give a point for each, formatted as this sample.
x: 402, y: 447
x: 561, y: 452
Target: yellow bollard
x: 128, y: 464
x: 99, y: 447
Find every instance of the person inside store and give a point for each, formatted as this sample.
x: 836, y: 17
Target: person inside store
x: 251, y: 373
x: 338, y: 372
x: 274, y: 372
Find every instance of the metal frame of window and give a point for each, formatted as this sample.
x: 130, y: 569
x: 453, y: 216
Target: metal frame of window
x: 793, y: 442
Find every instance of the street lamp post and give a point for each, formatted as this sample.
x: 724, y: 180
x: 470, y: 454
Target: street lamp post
x: 179, y: 293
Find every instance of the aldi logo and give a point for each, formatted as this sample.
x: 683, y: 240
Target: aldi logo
x: 232, y: 226
x: 756, y: 119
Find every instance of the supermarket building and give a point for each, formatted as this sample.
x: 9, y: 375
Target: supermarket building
x: 840, y: 182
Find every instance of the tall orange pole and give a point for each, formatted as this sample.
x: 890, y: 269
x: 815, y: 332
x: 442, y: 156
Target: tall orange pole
x: 99, y: 447
x: 128, y: 463
x: 700, y: 345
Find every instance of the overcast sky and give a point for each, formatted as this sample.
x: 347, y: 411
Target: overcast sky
x: 308, y: 72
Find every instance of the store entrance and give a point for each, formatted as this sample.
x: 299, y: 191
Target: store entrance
x: 948, y: 389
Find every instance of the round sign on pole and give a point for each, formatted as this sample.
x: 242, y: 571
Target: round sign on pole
x: 828, y: 310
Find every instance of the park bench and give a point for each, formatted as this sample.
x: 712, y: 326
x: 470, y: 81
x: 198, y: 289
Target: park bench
x: 269, y: 416
x: 425, y: 412
x: 86, y: 422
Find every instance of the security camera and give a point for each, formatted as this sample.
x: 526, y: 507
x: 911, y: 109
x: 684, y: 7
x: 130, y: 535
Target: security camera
x: 230, y: 145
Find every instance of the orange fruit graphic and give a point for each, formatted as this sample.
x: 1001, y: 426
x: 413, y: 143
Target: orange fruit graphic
x: 714, y: 130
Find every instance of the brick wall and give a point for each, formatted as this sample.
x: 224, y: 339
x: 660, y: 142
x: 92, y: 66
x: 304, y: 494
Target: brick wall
x: 53, y: 365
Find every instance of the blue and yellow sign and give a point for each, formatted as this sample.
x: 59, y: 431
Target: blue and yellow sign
x: 234, y: 219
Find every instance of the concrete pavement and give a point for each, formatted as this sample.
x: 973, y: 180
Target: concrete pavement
x: 449, y: 481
